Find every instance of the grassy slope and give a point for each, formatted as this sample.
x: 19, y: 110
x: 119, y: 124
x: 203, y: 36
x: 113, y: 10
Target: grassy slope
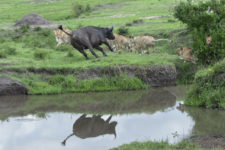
x: 24, y: 58
x: 159, y: 146
x: 208, y: 91
x: 37, y: 49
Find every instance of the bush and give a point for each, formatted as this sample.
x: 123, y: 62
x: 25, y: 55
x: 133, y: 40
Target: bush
x: 205, y: 19
x: 11, y: 51
x: 40, y: 54
x: 209, y: 87
x: 3, y: 54
x: 123, y: 31
x: 24, y: 28
x: 6, y: 50
x: 78, y: 8
x: 70, y: 53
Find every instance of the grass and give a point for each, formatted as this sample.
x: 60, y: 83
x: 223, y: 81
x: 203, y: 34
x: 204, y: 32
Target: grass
x: 59, y: 83
x: 36, y: 48
x: 37, y: 44
x: 184, y: 145
x: 209, y: 88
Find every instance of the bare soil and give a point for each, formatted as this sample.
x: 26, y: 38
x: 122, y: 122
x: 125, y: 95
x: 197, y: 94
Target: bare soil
x: 217, y: 141
x: 33, y: 20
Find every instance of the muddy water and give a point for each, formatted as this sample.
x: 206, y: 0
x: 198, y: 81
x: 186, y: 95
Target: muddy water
x: 101, y: 121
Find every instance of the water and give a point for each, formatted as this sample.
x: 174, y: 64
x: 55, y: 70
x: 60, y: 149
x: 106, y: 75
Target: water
x: 102, y: 121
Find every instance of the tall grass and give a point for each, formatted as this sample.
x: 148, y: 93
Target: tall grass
x: 52, y: 84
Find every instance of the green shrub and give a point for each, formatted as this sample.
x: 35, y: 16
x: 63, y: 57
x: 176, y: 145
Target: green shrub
x: 24, y: 28
x: 209, y: 87
x: 205, y: 19
x: 55, y: 80
x: 40, y: 54
x: 70, y: 53
x: 123, y: 31
x: 78, y: 8
x: 3, y: 54
x: 11, y: 51
x: 6, y: 50
x: 69, y: 82
x: 37, y: 29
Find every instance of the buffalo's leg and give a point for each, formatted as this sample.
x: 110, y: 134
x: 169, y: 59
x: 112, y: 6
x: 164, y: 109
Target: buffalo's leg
x: 101, y: 49
x: 80, y: 49
x: 92, y: 50
x: 82, y: 52
x: 89, y: 46
x: 107, y: 44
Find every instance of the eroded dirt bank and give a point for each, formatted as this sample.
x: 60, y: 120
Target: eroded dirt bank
x: 155, y: 76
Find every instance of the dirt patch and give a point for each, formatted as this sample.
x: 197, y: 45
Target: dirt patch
x: 34, y: 20
x: 154, y: 17
x: 38, y: 1
x: 122, y: 15
x: 217, y: 141
x: 156, y: 76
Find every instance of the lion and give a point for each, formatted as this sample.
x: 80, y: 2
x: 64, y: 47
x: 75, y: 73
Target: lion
x: 186, y: 54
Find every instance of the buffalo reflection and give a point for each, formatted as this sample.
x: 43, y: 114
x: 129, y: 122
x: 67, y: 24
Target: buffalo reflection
x: 85, y: 127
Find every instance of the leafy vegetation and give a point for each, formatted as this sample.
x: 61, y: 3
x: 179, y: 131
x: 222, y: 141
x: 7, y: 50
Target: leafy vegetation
x: 209, y: 87
x: 78, y: 8
x: 123, y: 31
x: 52, y: 84
x: 205, y: 19
x: 36, y: 47
x: 184, y: 145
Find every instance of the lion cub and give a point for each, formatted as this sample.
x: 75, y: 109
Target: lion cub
x: 186, y: 54
x: 61, y: 37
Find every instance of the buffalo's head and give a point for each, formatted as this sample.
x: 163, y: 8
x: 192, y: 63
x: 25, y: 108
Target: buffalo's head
x: 109, y: 33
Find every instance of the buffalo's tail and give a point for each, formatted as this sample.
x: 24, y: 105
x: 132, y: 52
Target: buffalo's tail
x: 61, y: 28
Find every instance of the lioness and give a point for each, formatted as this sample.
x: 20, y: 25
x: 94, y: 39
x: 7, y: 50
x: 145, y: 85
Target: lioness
x: 120, y: 42
x: 61, y: 37
x: 186, y: 54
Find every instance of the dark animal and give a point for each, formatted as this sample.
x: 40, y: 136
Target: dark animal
x: 85, y: 127
x: 89, y: 38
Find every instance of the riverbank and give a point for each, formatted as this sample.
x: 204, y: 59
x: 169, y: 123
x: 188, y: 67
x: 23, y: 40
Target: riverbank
x: 209, y: 87
x: 184, y: 145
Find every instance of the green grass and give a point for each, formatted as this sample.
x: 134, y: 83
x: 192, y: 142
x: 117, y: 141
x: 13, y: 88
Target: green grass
x: 59, y: 83
x: 184, y: 145
x: 209, y: 89
x: 36, y: 44
x: 36, y: 48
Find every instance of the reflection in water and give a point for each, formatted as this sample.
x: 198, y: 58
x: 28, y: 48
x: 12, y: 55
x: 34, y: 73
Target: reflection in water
x: 9, y: 105
x: 85, y: 127
x: 99, y: 103
x: 140, y: 117
x: 207, y: 121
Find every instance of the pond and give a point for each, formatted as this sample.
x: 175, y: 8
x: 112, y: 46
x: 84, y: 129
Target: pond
x: 102, y: 120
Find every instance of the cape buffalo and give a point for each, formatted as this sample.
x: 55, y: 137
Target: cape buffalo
x: 90, y: 37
